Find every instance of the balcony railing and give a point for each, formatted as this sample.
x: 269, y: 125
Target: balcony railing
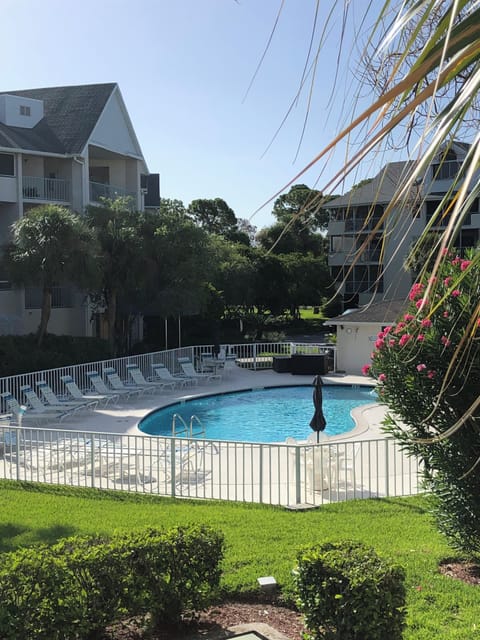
x: 446, y: 170
x: 98, y: 190
x: 49, y: 189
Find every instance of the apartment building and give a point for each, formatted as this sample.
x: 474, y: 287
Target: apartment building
x: 69, y: 146
x: 377, y: 252
x: 367, y: 257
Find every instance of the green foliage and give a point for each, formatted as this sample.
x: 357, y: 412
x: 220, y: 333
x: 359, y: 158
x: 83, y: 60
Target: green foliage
x: 345, y: 590
x: 438, y: 606
x: 21, y: 354
x: 214, y: 216
x: 175, y: 571
x: 51, y: 245
x: 428, y: 367
x: 77, y: 587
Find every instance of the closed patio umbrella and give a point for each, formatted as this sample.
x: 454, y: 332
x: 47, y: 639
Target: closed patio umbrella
x: 318, y: 422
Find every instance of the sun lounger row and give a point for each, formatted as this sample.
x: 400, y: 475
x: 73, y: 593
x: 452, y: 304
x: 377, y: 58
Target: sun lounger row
x: 46, y: 405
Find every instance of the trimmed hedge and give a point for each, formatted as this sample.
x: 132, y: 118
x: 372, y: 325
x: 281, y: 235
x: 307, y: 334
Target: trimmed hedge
x: 81, y: 585
x: 20, y: 354
x: 345, y: 590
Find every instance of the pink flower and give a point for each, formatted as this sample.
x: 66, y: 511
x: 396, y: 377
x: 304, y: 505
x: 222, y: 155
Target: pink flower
x: 432, y: 280
x: 465, y: 264
x: 445, y: 341
x: 456, y: 261
x: 404, y: 339
x: 421, y: 367
x: 379, y: 344
x: 380, y: 335
x: 366, y: 369
x: 445, y: 251
x: 408, y: 316
x: 426, y: 322
x: 456, y: 293
x: 445, y: 314
x: 421, y: 302
x: 387, y: 330
x: 416, y: 290
x: 382, y: 377
x: 420, y: 337
x: 448, y: 281
x: 431, y: 374
x: 391, y: 343
x: 399, y: 327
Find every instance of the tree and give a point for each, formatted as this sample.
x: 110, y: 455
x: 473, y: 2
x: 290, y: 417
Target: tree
x: 303, y: 207
x: 214, y: 216
x: 301, y: 223
x: 120, y: 256
x: 51, y: 246
x: 430, y: 383
x: 178, y: 256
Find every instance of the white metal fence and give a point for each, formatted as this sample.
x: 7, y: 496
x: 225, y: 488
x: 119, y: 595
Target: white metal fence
x: 273, y: 473
x: 277, y: 474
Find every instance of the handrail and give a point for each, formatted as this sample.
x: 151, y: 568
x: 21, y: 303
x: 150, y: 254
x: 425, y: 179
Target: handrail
x: 202, y: 431
x: 185, y: 429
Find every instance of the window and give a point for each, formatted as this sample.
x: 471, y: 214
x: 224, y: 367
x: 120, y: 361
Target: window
x: 62, y: 298
x: 442, y: 217
x: 24, y: 110
x: 7, y: 164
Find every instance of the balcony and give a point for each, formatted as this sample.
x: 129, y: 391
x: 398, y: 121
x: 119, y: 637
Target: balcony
x: 45, y: 189
x: 98, y: 191
x: 447, y: 170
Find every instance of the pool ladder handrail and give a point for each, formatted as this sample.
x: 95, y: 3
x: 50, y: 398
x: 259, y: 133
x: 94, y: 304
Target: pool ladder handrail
x: 190, y: 431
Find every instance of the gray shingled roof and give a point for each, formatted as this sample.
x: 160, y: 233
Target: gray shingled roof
x: 71, y: 113
x: 380, y: 189
x: 380, y: 312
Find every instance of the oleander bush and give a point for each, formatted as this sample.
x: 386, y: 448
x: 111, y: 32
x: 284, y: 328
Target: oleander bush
x: 345, y: 590
x: 78, y: 587
x: 428, y: 370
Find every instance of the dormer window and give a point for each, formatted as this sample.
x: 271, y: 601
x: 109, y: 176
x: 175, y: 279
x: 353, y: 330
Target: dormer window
x: 24, y: 110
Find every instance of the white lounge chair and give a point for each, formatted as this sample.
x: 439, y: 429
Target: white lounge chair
x: 100, y: 387
x: 119, y: 386
x: 54, y: 401
x: 161, y: 372
x: 21, y: 414
x: 37, y: 405
x: 153, y: 386
x: 77, y: 394
x: 190, y: 372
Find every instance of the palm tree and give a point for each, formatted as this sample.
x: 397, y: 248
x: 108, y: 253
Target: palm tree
x: 51, y: 246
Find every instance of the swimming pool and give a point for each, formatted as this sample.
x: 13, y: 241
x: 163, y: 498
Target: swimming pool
x: 262, y: 415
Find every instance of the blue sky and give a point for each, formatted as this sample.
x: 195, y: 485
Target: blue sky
x: 183, y: 67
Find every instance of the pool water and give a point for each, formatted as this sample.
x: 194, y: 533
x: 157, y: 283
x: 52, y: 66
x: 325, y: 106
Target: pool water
x: 262, y: 415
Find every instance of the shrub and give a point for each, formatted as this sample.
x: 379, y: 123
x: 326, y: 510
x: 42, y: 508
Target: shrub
x: 79, y: 586
x: 345, y: 590
x: 175, y: 571
x: 21, y: 354
x: 428, y: 369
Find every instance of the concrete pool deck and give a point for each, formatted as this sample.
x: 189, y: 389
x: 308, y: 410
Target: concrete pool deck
x: 124, y: 417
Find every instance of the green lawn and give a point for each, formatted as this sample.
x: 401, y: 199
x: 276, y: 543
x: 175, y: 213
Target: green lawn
x: 263, y: 541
